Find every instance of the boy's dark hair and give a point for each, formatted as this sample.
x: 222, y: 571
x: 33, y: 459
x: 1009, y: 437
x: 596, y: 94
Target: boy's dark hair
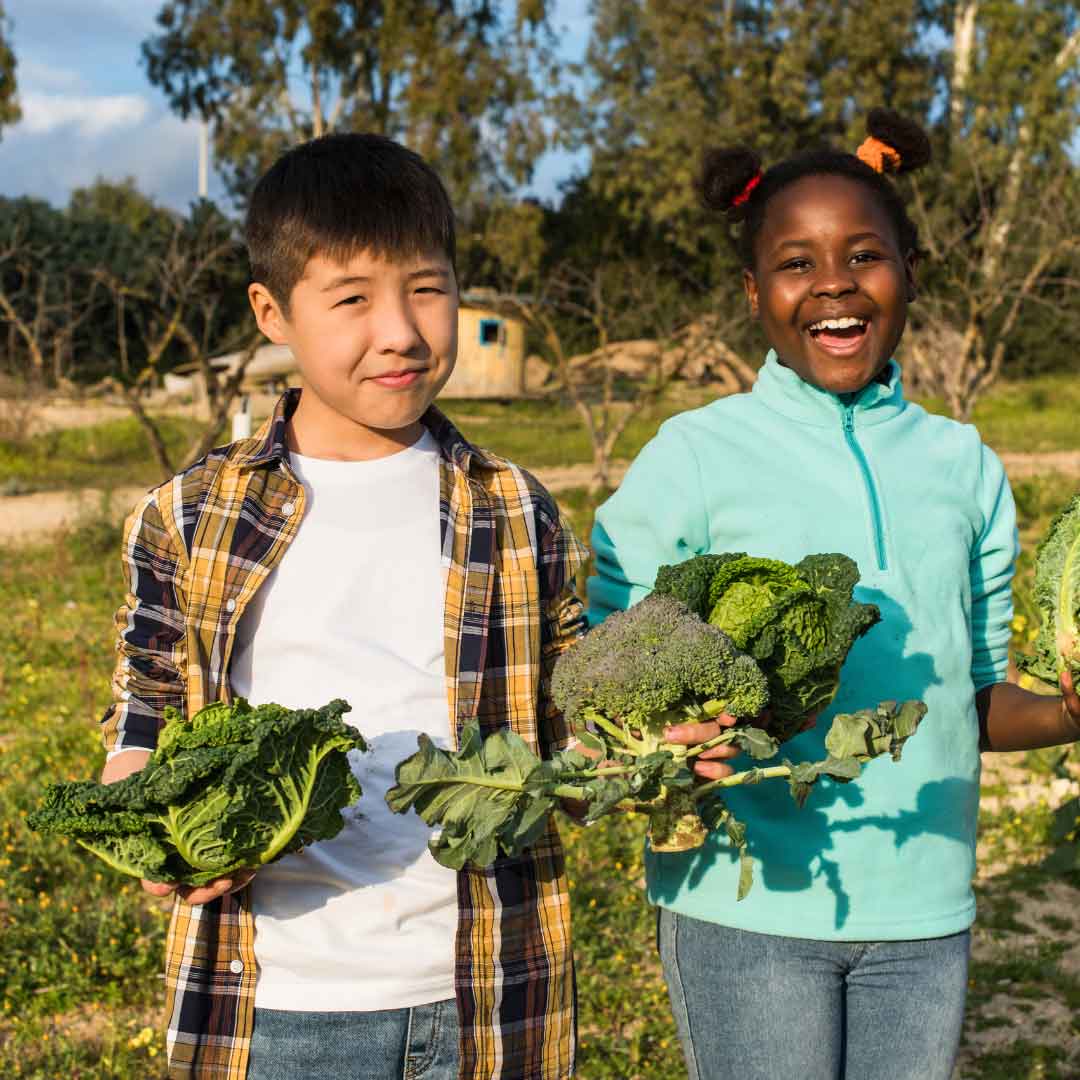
x: 340, y: 194
x: 731, y: 179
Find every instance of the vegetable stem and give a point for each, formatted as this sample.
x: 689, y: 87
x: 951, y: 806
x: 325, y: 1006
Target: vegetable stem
x: 750, y: 775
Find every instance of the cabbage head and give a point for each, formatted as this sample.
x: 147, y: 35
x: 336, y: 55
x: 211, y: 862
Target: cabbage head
x: 236, y: 786
x: 1057, y: 595
x: 798, y: 621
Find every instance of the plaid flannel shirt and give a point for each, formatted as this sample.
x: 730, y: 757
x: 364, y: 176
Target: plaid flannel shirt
x: 195, y: 552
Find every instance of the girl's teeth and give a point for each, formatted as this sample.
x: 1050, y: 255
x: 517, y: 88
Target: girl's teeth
x: 838, y: 324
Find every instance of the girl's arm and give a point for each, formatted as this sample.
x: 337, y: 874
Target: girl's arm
x: 1011, y: 718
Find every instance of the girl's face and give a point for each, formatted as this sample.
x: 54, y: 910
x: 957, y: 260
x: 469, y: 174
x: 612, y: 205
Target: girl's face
x: 830, y: 284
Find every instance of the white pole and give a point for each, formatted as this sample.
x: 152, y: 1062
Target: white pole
x: 204, y: 159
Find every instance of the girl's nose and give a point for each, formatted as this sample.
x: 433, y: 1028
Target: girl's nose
x: 833, y: 280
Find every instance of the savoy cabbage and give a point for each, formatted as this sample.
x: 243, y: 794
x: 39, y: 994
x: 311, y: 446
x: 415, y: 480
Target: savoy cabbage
x: 797, y: 621
x: 236, y: 786
x: 1057, y: 595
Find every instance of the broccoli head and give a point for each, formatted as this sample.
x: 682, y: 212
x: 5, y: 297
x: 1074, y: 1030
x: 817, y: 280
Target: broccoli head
x: 653, y: 665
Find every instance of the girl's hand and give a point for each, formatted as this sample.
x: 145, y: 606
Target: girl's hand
x: 709, y: 764
x: 200, y: 894
x: 1070, y: 702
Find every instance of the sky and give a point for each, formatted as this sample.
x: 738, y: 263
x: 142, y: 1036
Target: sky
x: 89, y: 110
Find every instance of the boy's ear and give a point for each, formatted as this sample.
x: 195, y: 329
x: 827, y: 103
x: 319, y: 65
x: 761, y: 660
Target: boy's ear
x: 911, y: 267
x: 751, y: 290
x: 268, y: 313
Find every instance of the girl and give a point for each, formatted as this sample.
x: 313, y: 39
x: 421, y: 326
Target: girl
x: 849, y: 958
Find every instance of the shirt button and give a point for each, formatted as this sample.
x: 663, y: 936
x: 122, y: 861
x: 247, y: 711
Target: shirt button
x: 288, y: 509
x: 236, y: 966
x: 230, y: 604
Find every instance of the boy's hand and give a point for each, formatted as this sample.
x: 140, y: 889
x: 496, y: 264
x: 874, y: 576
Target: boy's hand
x: 200, y: 894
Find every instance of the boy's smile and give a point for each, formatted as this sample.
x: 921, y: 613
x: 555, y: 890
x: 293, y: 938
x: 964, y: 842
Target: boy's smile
x: 375, y: 339
x: 830, y: 285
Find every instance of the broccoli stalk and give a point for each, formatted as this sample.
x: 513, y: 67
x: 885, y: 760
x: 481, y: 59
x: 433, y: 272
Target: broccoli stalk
x: 493, y: 796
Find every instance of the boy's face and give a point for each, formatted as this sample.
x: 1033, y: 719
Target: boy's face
x: 827, y: 251
x: 375, y: 339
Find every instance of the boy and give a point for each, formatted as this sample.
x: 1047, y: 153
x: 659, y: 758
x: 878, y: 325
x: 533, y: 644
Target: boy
x: 358, y: 547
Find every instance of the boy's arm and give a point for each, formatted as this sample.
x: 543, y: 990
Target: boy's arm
x: 150, y: 671
x: 151, y: 664
x: 563, y: 623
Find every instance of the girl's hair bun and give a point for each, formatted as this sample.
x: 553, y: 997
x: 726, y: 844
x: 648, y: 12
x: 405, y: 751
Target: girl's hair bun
x: 904, y: 136
x: 727, y: 177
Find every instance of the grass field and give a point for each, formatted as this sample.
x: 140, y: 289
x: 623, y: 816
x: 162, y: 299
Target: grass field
x: 80, y: 985
x: 1037, y: 416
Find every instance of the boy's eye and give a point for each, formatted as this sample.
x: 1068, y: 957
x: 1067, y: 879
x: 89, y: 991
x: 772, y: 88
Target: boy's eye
x: 350, y: 300
x: 796, y: 264
x: 865, y: 257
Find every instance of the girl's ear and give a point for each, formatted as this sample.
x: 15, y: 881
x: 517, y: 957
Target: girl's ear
x: 911, y: 267
x: 751, y: 290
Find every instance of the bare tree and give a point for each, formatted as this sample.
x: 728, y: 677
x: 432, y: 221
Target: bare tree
x: 620, y: 376
x: 44, y: 300
x: 1001, y: 250
x: 177, y: 305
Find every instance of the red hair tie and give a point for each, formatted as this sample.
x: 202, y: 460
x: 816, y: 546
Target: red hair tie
x: 747, y: 191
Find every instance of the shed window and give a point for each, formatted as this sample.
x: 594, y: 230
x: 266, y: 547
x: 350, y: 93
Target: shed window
x: 491, y: 331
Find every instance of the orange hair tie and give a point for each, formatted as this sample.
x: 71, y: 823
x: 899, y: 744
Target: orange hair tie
x: 881, y: 157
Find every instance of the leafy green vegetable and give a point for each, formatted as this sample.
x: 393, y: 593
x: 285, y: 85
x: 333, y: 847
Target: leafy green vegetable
x: 1057, y: 595
x: 643, y: 669
x: 798, y: 622
x: 235, y: 787
x: 492, y: 796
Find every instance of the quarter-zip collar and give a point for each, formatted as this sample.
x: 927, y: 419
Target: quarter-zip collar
x: 778, y: 388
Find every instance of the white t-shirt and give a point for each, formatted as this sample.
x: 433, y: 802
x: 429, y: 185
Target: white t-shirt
x: 354, y: 610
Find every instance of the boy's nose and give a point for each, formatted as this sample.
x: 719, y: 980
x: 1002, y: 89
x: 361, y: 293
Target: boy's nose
x: 395, y: 329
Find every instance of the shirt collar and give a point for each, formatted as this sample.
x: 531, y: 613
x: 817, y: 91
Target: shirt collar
x: 781, y: 390
x: 268, y: 446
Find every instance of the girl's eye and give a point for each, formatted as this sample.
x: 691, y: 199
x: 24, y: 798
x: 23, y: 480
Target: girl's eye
x: 865, y: 257
x: 431, y: 289
x: 349, y: 301
x: 796, y: 264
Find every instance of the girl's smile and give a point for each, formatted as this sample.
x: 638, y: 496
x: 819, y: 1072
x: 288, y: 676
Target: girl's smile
x: 830, y: 285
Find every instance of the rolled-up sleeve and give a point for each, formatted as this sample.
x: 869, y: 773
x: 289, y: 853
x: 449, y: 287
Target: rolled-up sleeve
x: 150, y: 636
x: 993, y: 562
x: 563, y: 623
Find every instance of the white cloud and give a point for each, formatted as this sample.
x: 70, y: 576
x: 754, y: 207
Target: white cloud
x: 33, y: 74
x: 159, y: 151
x: 91, y: 117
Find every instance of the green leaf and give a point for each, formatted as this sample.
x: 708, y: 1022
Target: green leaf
x: 757, y: 743
x: 491, y: 795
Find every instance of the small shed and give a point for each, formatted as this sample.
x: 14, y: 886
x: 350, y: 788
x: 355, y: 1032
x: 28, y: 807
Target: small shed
x: 491, y: 350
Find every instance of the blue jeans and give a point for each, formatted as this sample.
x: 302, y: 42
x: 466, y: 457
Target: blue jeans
x: 393, y: 1044
x: 758, y: 1006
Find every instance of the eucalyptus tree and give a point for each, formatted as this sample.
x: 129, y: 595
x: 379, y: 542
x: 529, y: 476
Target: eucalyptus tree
x: 460, y: 81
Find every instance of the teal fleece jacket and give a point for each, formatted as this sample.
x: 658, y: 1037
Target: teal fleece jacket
x: 925, y: 509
